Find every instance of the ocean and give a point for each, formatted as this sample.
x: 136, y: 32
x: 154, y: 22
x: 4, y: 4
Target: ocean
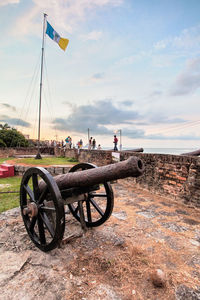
x: 176, y: 151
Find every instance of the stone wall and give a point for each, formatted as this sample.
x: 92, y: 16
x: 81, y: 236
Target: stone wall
x: 11, y: 152
x: 54, y: 170
x: 175, y: 176
x: 171, y: 175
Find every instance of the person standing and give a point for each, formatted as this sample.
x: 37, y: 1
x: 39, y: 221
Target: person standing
x: 93, y: 144
x: 115, y: 143
x: 81, y: 143
x: 90, y: 144
x: 70, y: 142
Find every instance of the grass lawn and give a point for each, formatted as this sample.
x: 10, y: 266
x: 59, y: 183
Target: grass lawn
x: 2, y: 159
x: 11, y: 200
x: 46, y: 161
x: 8, y: 201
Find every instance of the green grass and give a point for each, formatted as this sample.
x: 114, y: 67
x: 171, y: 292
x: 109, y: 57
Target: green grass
x: 11, y: 200
x: 8, y: 201
x: 46, y: 161
x: 2, y: 159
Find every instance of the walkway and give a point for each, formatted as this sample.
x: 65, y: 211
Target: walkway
x: 114, y: 261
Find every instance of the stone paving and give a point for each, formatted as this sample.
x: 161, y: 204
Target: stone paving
x: 165, y: 233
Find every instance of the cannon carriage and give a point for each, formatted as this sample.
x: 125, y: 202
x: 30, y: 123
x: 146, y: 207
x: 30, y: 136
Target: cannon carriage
x: 85, y: 190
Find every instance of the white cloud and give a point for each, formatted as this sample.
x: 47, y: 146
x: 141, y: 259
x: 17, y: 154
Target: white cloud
x: 7, y: 2
x: 93, y: 35
x: 160, y: 45
x: 64, y: 14
x: 188, y: 80
x: 188, y: 38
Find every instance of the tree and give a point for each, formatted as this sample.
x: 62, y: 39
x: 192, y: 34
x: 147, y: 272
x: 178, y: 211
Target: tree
x: 2, y: 144
x: 5, y: 126
x: 12, y: 138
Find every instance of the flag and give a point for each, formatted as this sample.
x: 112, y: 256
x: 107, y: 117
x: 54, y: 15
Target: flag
x: 56, y: 37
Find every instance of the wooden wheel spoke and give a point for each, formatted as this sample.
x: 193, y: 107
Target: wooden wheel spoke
x: 43, y: 195
x: 35, y: 186
x: 81, y: 213
x: 76, y: 210
x: 48, y: 209
x: 32, y: 224
x: 47, y: 223
x: 96, y: 206
x: 30, y: 192
x: 41, y: 230
x: 92, y: 195
x: 89, y: 216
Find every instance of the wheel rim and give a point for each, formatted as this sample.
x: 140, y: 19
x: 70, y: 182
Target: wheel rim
x: 97, y: 206
x: 42, y: 212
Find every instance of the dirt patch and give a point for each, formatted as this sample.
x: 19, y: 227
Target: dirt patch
x: 113, y: 261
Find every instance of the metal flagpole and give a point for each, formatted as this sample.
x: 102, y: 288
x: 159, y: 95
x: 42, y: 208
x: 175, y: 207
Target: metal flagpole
x: 38, y: 156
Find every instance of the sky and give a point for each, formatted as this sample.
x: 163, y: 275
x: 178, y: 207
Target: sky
x: 131, y: 66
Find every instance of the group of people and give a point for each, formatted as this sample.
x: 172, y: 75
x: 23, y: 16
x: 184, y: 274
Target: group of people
x: 80, y: 144
x: 68, y: 142
x: 92, y: 144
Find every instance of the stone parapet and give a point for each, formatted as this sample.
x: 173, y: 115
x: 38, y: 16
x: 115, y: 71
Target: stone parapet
x: 174, y: 176
x: 53, y: 170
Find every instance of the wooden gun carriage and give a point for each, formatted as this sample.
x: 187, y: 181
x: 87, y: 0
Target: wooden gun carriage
x: 85, y: 190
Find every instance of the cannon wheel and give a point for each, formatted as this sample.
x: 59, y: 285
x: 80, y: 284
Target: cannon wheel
x: 97, y: 207
x: 42, y: 212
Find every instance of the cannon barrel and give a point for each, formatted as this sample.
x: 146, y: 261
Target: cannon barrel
x: 193, y: 153
x: 135, y: 150
x: 132, y: 167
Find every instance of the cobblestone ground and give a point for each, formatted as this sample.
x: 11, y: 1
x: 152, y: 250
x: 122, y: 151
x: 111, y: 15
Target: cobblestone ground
x: 114, y: 261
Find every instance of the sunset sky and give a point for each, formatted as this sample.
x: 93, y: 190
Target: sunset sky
x: 132, y: 65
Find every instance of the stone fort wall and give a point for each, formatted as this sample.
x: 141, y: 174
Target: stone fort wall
x: 175, y: 176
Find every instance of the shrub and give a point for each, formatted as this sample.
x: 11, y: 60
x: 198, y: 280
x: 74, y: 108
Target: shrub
x: 2, y: 144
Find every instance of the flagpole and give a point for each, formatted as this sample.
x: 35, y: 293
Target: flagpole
x: 38, y: 156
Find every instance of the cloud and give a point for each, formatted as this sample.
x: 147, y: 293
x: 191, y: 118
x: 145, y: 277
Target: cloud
x: 161, y: 118
x: 7, y: 2
x: 93, y: 36
x: 102, y: 116
x: 127, y: 103
x: 98, y: 76
x: 95, y: 78
x: 188, y: 38
x: 97, y: 116
x: 155, y: 93
x: 64, y: 14
x: 180, y: 137
x: 14, y: 121
x: 8, y: 106
x: 188, y: 81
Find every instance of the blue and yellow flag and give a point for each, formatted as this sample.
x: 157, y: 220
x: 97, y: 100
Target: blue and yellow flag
x: 56, y: 37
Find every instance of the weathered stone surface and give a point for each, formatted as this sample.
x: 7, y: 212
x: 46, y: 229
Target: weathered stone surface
x: 120, y: 215
x: 185, y: 293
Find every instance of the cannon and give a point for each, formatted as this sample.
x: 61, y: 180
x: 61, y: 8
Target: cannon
x: 85, y: 189
x: 193, y: 153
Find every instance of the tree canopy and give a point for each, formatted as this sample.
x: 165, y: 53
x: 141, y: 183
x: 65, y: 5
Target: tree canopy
x: 11, y: 137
